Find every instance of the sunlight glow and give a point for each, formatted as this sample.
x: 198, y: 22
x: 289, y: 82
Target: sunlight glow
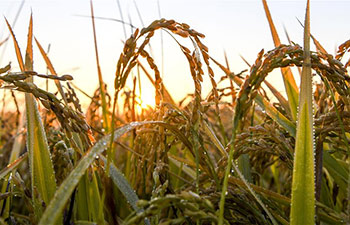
x: 145, y: 100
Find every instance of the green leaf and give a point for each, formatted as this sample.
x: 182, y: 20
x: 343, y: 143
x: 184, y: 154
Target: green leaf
x: 122, y: 183
x: 56, y: 206
x: 303, y: 184
x: 81, y: 200
x: 42, y: 173
x: 337, y: 171
x: 12, y: 166
x: 95, y: 202
x: 125, y: 188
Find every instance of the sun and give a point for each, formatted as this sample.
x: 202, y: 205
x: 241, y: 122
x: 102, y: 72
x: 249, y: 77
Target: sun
x: 145, y: 101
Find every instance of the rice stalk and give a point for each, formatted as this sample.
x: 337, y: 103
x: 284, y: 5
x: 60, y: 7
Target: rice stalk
x: 106, y: 119
x: 176, y: 162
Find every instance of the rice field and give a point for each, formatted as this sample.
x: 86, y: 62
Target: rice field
x: 233, y: 156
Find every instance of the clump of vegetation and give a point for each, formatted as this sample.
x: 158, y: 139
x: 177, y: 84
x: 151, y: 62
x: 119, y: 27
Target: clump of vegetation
x: 233, y: 157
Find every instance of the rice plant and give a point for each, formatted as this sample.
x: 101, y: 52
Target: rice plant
x: 231, y: 157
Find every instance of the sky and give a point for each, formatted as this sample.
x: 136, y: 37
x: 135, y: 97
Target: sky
x: 237, y: 27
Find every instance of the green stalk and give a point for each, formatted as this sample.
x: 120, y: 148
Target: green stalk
x: 194, y: 132
x: 303, y: 185
x: 225, y: 184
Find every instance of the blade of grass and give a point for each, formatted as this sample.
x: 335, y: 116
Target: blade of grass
x: 17, y: 49
x: 184, y: 168
x: 55, y: 208
x: 125, y: 188
x: 337, y: 171
x: 42, y: 173
x: 288, y: 78
x: 81, y: 200
x: 94, y: 198
x: 303, y: 184
x: 209, y: 131
x: 12, y: 166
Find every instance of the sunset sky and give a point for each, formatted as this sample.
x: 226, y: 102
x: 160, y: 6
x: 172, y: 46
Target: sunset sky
x: 238, y: 27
